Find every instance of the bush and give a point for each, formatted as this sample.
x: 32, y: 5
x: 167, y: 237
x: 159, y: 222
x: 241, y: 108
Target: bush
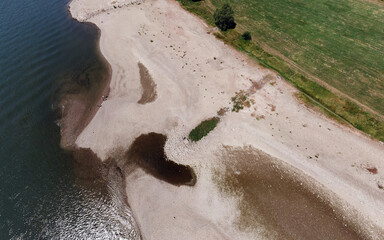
x: 224, y: 17
x: 246, y: 36
x: 203, y: 129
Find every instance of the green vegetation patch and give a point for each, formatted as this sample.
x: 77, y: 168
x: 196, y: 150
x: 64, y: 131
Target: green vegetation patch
x: 224, y: 17
x: 246, y: 36
x: 203, y: 129
x: 324, y: 41
x: 241, y: 100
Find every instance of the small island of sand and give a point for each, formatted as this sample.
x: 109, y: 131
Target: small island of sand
x: 272, y: 170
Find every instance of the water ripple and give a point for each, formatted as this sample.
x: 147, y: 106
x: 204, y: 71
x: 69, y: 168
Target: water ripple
x: 41, y: 197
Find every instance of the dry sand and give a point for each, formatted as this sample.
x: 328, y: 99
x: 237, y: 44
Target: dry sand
x: 196, y: 75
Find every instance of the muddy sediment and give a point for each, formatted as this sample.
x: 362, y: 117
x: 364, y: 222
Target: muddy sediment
x: 105, y: 178
x: 93, y: 174
x: 149, y: 93
x: 81, y: 96
x: 276, y: 203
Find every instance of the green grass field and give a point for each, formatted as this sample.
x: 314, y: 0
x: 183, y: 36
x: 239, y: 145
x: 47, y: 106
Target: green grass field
x: 340, y: 42
x: 336, y: 43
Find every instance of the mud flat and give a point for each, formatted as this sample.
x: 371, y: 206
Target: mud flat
x: 335, y: 173
x: 276, y: 199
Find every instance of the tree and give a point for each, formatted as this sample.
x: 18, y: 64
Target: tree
x: 246, y: 36
x: 224, y: 17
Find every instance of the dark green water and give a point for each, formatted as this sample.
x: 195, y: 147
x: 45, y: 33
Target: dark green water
x: 41, y: 197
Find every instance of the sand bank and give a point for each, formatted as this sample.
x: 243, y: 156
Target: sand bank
x: 195, y: 76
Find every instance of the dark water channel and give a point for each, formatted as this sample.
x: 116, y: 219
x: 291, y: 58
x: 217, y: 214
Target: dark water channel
x: 147, y: 151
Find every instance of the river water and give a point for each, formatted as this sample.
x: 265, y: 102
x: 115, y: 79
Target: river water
x: 42, y: 197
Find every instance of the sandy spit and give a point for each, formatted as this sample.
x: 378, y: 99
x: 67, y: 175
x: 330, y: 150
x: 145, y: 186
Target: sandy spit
x: 195, y: 76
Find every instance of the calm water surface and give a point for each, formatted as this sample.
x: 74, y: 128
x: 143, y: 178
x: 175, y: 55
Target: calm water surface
x: 41, y: 197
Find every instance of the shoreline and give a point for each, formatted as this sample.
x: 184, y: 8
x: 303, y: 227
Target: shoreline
x: 77, y: 110
x: 108, y: 178
x: 137, y: 180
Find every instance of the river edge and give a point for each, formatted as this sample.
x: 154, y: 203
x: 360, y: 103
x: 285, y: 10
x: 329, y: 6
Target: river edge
x: 76, y: 110
x: 76, y: 107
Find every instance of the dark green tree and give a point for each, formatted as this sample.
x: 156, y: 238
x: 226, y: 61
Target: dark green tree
x: 246, y: 36
x: 224, y: 17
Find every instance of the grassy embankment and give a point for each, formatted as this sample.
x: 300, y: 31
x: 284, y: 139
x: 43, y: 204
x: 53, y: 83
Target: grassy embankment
x: 313, y: 44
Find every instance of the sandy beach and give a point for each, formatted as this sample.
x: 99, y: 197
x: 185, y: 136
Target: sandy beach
x: 169, y: 73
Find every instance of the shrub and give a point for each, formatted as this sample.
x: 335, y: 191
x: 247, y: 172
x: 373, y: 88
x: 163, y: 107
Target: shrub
x: 240, y: 100
x: 203, y: 129
x: 246, y: 36
x: 224, y: 17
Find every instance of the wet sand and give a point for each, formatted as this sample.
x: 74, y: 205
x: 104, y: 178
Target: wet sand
x: 81, y: 96
x: 149, y: 93
x: 279, y: 202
